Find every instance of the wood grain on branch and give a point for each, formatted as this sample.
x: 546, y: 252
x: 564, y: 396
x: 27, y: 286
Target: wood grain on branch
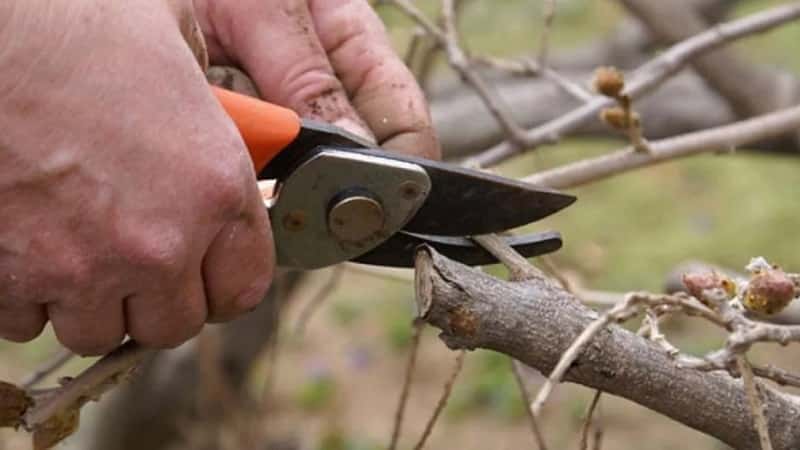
x: 645, y: 79
x: 535, y: 321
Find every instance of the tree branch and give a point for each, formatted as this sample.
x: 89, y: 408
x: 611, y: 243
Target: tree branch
x: 646, y: 78
x: 724, y: 138
x: 535, y: 321
x: 749, y: 88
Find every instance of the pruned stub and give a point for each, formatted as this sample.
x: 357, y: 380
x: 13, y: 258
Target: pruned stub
x: 462, y: 322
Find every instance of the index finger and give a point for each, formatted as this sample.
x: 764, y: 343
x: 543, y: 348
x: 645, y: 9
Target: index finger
x: 380, y: 86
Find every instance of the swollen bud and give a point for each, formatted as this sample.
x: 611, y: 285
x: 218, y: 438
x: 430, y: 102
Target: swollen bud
x: 608, y: 81
x: 768, y: 292
x: 699, y: 282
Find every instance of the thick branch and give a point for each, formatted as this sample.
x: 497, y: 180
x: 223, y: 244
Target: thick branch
x: 535, y: 322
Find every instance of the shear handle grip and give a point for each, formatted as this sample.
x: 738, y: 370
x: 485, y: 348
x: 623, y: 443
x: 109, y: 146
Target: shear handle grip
x: 266, y: 128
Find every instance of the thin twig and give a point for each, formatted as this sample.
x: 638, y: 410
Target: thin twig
x: 447, y: 38
x: 551, y: 268
x: 448, y: 389
x: 519, y: 267
x: 410, y: 367
x: 526, y: 67
x: 587, y: 422
x: 756, y: 405
x: 723, y: 138
x: 569, y: 356
x: 90, y: 384
x: 385, y: 273
x: 50, y: 366
x: 544, y: 39
x: 516, y: 369
x: 649, y: 76
x: 318, y: 299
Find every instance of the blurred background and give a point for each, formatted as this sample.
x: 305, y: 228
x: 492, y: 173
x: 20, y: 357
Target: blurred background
x: 334, y: 384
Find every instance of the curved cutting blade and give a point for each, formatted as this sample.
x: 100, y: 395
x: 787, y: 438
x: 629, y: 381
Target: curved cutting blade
x: 464, y: 202
x: 400, y: 249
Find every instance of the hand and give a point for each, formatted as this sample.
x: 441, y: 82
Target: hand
x: 128, y: 201
x: 326, y: 59
x: 134, y: 216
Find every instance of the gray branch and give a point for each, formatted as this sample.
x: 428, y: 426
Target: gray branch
x: 535, y: 321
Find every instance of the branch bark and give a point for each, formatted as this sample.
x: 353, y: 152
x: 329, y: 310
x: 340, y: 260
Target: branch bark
x: 535, y: 321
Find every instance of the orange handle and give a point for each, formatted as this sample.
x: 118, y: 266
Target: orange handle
x: 266, y: 128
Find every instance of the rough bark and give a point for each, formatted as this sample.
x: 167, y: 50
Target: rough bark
x: 535, y: 321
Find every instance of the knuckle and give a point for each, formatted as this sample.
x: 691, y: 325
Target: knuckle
x: 225, y: 189
x: 75, y: 272
x: 174, y: 330
x: 163, y: 251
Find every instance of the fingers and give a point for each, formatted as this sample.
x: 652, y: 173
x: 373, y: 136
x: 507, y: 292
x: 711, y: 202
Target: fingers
x: 88, y: 331
x: 21, y: 323
x: 163, y: 319
x: 380, y: 86
x: 275, y: 43
x: 238, y: 266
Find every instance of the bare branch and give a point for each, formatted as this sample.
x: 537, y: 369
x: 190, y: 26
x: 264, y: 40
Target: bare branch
x: 318, y: 299
x: 516, y: 369
x: 89, y: 385
x: 518, y: 266
x: 536, y: 321
x: 447, y: 37
x: 410, y: 367
x: 56, y: 362
x: 744, y: 85
x: 646, y: 78
x: 448, y: 389
x: 756, y: 407
x: 544, y: 39
x: 724, y: 138
x: 587, y: 422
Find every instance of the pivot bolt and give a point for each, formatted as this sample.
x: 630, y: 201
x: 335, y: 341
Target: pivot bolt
x: 356, y: 218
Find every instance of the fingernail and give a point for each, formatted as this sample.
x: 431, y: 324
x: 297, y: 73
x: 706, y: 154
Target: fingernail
x: 355, y: 127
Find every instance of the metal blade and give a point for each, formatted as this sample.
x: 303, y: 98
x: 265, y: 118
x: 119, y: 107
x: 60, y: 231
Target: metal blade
x: 465, y: 202
x: 400, y: 249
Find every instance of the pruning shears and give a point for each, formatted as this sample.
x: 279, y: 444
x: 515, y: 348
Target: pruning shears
x: 340, y: 198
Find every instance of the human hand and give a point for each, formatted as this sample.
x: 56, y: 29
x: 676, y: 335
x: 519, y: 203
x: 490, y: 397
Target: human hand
x: 326, y: 59
x: 128, y: 200
x: 122, y: 229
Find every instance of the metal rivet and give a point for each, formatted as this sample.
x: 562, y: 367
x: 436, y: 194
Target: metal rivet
x: 356, y: 218
x: 294, y: 220
x: 410, y: 190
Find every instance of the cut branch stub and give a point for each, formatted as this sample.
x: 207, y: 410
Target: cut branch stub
x: 535, y: 321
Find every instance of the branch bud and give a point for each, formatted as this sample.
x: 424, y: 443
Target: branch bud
x: 769, y: 291
x: 698, y: 283
x: 608, y: 81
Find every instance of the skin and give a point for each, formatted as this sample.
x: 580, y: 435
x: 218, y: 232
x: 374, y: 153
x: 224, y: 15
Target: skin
x: 128, y: 200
